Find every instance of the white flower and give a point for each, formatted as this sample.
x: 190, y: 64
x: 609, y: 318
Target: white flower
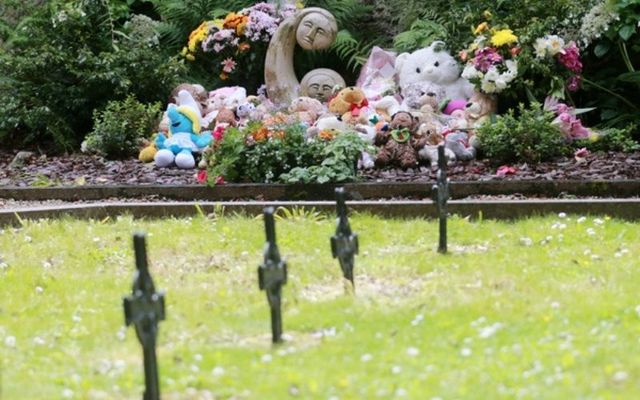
x: 540, y: 47
x: 512, y: 68
x: 488, y: 87
x: 470, y: 72
x: 412, y: 351
x: 555, y: 44
x: 10, y: 341
x: 501, y: 84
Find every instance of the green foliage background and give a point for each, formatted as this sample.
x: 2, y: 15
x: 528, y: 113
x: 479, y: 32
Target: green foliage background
x: 53, y: 75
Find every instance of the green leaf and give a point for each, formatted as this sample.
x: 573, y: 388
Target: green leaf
x: 579, y: 111
x: 601, y: 49
x: 626, y: 31
x: 630, y: 77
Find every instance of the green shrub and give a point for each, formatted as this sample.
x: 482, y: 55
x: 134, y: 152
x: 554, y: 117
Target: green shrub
x: 527, y: 137
x: 339, y: 162
x: 611, y: 139
x: 70, y: 60
x: 286, y: 156
x: 266, y: 160
x: 120, y: 127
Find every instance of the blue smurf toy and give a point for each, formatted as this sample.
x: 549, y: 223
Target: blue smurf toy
x: 184, y: 141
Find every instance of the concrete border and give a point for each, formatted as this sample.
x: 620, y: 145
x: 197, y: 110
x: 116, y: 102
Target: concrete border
x: 618, y: 208
x: 357, y: 191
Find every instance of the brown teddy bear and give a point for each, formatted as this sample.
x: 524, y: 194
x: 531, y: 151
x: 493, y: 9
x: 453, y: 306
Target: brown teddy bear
x: 350, y: 103
x: 399, y: 143
x: 226, y: 116
x: 306, y: 109
x: 479, y: 108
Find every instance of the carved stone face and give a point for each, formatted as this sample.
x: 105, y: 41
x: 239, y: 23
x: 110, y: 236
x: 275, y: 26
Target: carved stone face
x: 315, y: 32
x: 319, y: 84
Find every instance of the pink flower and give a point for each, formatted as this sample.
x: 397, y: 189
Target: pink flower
x: 219, y: 180
x: 570, y: 58
x: 573, y: 83
x: 571, y: 126
x: 202, y: 176
x: 218, y: 132
x: 485, y: 58
x: 506, y: 170
x: 581, y: 153
x: 228, y: 65
x: 218, y: 47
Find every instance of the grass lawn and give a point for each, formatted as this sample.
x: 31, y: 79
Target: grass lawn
x: 544, y: 308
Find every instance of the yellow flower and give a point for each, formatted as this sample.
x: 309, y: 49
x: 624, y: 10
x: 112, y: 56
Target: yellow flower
x: 241, y: 26
x: 299, y: 4
x: 503, y: 37
x: 481, y: 28
x: 487, y: 14
x: 218, y: 23
x: 190, y: 57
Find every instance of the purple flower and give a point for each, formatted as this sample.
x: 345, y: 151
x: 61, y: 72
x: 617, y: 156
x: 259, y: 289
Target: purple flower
x: 224, y: 34
x: 485, y: 58
x: 260, y: 27
x: 573, y: 83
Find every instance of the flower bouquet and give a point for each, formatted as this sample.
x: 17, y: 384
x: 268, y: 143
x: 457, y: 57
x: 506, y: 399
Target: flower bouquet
x: 562, y: 61
x: 240, y: 38
x: 491, y: 62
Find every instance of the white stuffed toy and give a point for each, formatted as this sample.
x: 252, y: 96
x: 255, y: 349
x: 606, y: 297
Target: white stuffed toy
x: 433, y: 64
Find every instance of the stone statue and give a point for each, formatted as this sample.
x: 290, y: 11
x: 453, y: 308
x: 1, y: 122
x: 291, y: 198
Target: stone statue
x: 320, y: 83
x: 313, y: 29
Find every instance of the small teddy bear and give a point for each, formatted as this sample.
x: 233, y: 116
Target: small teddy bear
x: 327, y: 125
x: 226, y: 116
x: 351, y: 104
x: 431, y: 132
x: 399, y: 142
x: 479, y: 108
x: 306, y: 109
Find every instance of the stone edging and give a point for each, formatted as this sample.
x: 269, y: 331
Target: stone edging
x: 356, y: 191
x: 510, y: 209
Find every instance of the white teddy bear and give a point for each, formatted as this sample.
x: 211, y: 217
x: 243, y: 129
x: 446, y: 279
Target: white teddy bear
x: 433, y: 64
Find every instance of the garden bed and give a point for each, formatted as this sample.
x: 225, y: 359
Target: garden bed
x: 80, y: 170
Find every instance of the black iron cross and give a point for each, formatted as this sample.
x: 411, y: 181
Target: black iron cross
x: 440, y: 197
x: 144, y: 308
x: 272, y: 274
x: 344, y: 244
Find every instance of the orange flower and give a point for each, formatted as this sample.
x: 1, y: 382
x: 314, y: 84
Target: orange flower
x: 463, y: 55
x: 481, y: 28
x: 278, y: 134
x: 327, y: 134
x: 260, y: 134
x: 232, y: 20
x: 242, y: 25
x: 515, y: 51
x: 224, y: 76
x: 243, y: 47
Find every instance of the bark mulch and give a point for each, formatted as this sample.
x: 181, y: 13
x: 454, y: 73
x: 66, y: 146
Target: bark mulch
x: 80, y: 169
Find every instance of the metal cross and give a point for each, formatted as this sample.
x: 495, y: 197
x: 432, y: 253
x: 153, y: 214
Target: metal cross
x: 440, y: 197
x: 272, y: 274
x: 344, y: 244
x: 144, y: 308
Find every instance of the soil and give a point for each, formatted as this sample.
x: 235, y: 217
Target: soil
x: 79, y: 169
